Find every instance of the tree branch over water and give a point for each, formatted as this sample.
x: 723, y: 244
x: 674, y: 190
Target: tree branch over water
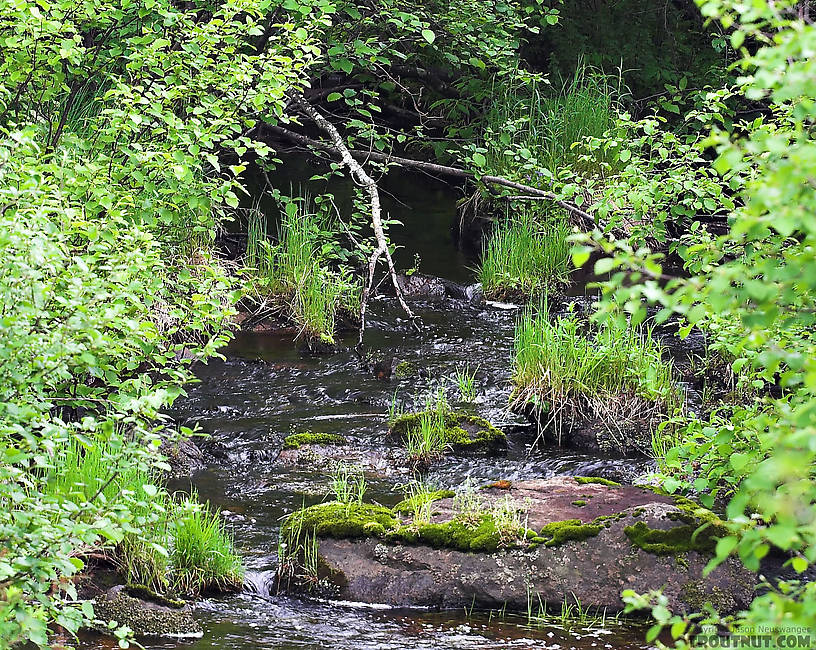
x: 443, y: 170
x: 361, y: 176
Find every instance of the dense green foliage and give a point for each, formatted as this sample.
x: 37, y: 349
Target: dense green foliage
x: 125, y: 127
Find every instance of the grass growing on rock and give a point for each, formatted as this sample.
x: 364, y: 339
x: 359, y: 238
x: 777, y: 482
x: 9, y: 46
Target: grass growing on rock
x: 527, y: 254
x: 427, y: 434
x: 295, y: 271
x: 565, y: 375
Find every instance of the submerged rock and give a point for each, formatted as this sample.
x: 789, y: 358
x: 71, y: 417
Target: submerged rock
x: 418, y: 286
x: 328, y: 457
x: 155, y: 617
x: 591, y: 539
x: 421, y: 287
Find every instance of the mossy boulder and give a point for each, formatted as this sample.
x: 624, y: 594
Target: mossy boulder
x: 622, y: 537
x: 146, y: 614
x: 343, y: 520
x: 462, y: 430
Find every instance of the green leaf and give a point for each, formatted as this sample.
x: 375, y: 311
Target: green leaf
x: 428, y: 35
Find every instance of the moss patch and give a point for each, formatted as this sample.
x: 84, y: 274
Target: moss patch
x: 583, y: 480
x: 146, y: 593
x: 342, y: 521
x: 411, y: 505
x: 297, y: 440
x: 461, y: 429
x: 405, y: 369
x: 558, y: 532
x: 579, y: 503
x: 674, y: 541
x: 483, y: 537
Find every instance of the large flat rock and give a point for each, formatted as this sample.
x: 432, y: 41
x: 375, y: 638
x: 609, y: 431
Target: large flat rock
x: 595, y: 570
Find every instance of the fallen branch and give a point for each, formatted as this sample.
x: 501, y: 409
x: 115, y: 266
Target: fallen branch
x: 362, y: 177
x: 442, y: 170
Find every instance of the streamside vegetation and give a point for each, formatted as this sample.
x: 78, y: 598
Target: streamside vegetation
x: 567, y: 373
x: 126, y: 130
x: 297, y: 274
x: 527, y: 255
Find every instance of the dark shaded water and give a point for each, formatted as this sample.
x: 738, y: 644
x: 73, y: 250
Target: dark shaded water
x: 267, y: 389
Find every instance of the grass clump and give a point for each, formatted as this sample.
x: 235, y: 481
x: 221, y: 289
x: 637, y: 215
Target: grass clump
x: 426, y: 441
x: 202, y: 554
x: 612, y: 375
x: 297, y: 440
x: 174, y: 546
x: 297, y: 272
x: 348, y: 485
x: 525, y: 256
x: 427, y: 434
x: 419, y: 500
x: 466, y: 382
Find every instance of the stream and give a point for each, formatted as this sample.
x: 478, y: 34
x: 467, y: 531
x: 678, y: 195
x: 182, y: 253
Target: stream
x: 266, y: 389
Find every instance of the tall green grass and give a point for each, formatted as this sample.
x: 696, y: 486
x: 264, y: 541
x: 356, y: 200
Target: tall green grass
x: 611, y: 373
x: 174, y: 547
x: 525, y: 256
x: 296, y: 270
x: 543, y: 125
x: 202, y: 556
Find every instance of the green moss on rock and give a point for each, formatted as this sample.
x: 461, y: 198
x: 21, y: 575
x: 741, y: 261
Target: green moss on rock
x: 343, y: 521
x: 297, y: 440
x: 405, y: 369
x: 583, y: 480
x: 559, y: 532
x: 461, y: 429
x: 484, y: 537
x: 146, y: 593
x: 580, y: 503
x: 674, y: 541
x: 145, y: 617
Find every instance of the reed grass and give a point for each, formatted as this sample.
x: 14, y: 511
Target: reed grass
x: 542, y: 125
x: 349, y: 485
x: 525, y: 257
x: 295, y: 270
x: 612, y: 373
x: 465, y: 379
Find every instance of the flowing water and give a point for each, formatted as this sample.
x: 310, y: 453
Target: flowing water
x: 266, y: 389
